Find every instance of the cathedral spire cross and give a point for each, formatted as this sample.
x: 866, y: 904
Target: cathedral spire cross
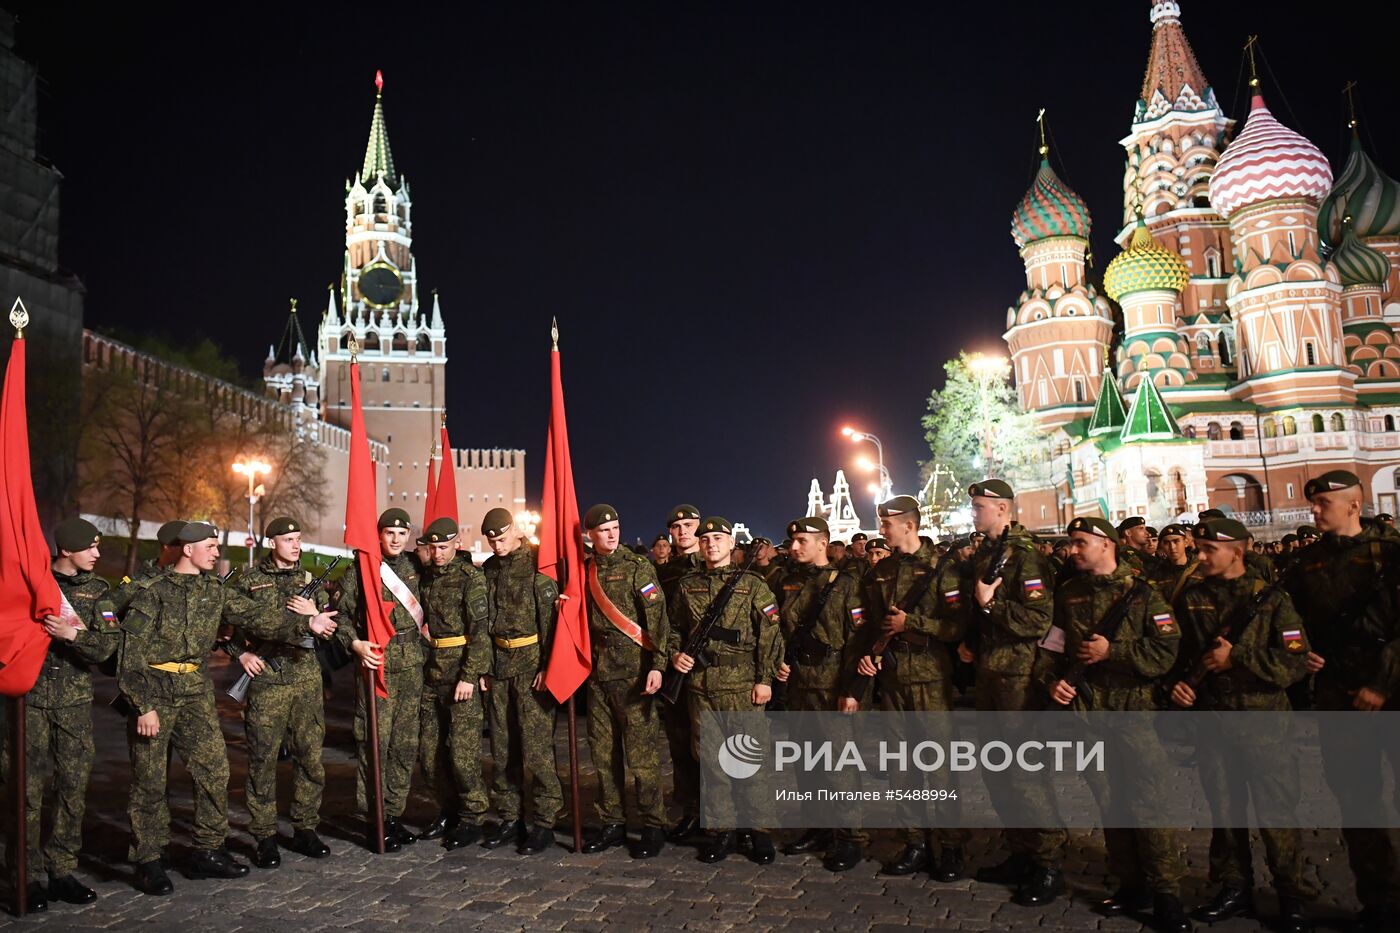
x: 1351, y: 105
x: 1253, y: 67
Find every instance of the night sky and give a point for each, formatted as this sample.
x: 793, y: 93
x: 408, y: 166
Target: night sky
x: 755, y: 222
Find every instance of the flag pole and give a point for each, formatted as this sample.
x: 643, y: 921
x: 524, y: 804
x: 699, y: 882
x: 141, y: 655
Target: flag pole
x: 576, y: 797
x: 376, y: 778
x: 17, y: 762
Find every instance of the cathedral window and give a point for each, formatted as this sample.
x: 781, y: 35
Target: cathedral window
x: 1338, y: 422
x: 1079, y: 390
x: 1310, y: 349
x: 1390, y: 422
x: 1270, y: 428
x: 1225, y: 350
x: 1318, y: 425
x: 1236, y: 431
x: 1213, y: 431
x: 1290, y: 426
x: 384, y: 375
x: 1292, y: 244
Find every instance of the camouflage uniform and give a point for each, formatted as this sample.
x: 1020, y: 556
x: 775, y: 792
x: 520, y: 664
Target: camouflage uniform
x: 175, y: 618
x: 1143, y: 649
x: 1260, y: 566
x: 449, y: 742
x: 59, y: 748
x: 1009, y: 673
x: 727, y: 684
x: 283, y: 703
x: 1268, y: 656
x: 622, y: 720
x: 1340, y: 580
x: 403, y: 676
x: 685, y: 770
x: 1171, y: 580
x: 521, y: 605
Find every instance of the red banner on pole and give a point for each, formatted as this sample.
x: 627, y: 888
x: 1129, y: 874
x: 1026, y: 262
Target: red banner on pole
x: 362, y: 529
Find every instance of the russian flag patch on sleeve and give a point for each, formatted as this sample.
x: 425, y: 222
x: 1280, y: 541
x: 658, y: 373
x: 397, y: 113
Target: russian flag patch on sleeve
x: 649, y: 591
x: 1034, y: 588
x: 770, y: 610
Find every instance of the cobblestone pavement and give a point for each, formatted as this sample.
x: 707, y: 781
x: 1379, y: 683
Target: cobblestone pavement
x: 424, y: 887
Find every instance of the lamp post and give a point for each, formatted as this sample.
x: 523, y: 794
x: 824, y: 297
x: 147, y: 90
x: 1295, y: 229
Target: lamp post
x: 251, y: 467
x: 986, y: 368
x: 886, y: 488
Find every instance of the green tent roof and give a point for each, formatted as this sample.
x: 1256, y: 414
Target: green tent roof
x: 1109, y: 412
x: 1149, y: 419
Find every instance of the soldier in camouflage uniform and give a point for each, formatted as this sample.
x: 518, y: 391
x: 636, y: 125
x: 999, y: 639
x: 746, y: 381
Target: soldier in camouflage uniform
x: 459, y: 655
x: 736, y: 676
x: 1133, y: 543
x: 402, y: 661
x: 166, y: 636
x: 284, y: 698
x: 1345, y: 590
x: 1120, y: 669
x: 821, y: 607
x: 682, y: 522
x: 1173, y: 570
x: 1267, y: 655
x: 168, y: 536
x: 916, y: 672
x: 1006, y: 620
x: 1256, y: 562
x: 522, y: 605
x: 59, y: 748
x: 628, y: 631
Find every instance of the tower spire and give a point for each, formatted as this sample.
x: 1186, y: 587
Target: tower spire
x: 1249, y: 45
x: 379, y: 160
x: 1351, y: 106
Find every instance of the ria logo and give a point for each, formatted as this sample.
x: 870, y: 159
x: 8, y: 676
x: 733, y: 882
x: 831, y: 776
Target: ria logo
x: 741, y: 756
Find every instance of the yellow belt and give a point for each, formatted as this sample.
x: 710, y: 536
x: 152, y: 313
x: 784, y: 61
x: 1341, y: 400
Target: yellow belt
x: 451, y: 641
x: 516, y: 642
x: 176, y: 667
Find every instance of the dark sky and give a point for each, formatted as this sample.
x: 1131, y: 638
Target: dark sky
x: 754, y: 221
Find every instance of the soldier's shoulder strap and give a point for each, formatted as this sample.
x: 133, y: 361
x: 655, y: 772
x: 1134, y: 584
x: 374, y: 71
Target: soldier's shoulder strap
x: 1183, y: 579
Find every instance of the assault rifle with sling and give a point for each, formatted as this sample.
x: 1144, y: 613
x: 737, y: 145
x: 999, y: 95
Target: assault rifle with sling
x: 239, y: 690
x: 697, y: 646
x: 1107, y: 628
x: 804, y: 648
x: 880, y: 651
x: 995, y: 570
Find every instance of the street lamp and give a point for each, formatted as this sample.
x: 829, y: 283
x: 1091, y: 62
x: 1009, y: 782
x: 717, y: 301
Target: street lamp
x: 986, y: 369
x: 251, y: 467
x: 886, y: 486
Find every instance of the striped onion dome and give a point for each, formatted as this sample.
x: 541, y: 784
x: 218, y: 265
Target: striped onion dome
x: 1049, y: 209
x: 1267, y: 162
x: 1357, y: 263
x: 1369, y: 196
x: 1144, y: 265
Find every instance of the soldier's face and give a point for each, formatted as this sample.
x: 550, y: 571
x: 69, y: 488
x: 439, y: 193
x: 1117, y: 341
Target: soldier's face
x: 84, y: 560
x: 1335, y: 511
x: 442, y: 552
x: 392, y: 541
x: 1219, y: 558
x: 287, y: 548
x: 835, y: 552
x: 661, y: 551
x: 877, y: 554
x: 203, y: 554
x: 683, y: 533
x: 505, y: 542
x: 1090, y: 553
x: 605, y: 536
x: 989, y: 515
x: 1135, y: 537
x: 1172, y: 548
x: 806, y: 546
x: 899, y: 531
x: 1150, y: 546
x: 858, y: 548
x: 716, y: 548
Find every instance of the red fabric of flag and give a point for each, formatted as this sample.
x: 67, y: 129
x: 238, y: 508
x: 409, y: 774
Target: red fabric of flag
x: 446, y: 502
x: 362, y: 529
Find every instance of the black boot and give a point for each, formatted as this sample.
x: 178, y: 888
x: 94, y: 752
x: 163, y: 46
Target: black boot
x: 267, y: 854
x: 913, y: 858
x: 391, y: 842
x: 498, y: 834
x: 813, y: 840
x: 1125, y: 900
x: 152, y: 879
x: 395, y: 828
x: 35, y: 900
x: 463, y: 834
x: 684, y: 829
x: 601, y: 838
x: 718, y: 847
x: 1042, y: 885
x: 761, y: 851
x: 447, y: 820
x: 844, y: 856
x: 1168, y: 916
x: 1227, y: 903
x: 539, y: 839
x: 951, y: 866
x: 306, y: 842
x: 214, y: 863
x: 1292, y: 917
x: 1011, y: 870
x: 70, y: 890
x: 650, y: 844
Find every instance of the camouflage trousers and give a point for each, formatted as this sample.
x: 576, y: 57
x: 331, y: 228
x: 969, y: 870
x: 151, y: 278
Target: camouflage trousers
x: 816, y: 700
x: 293, y: 712
x: 624, y: 735
x: 449, y: 749
x: 931, y: 696
x: 1014, y: 791
x: 189, y: 724
x: 398, y: 739
x: 522, y: 744
x: 685, y: 771
x: 726, y: 804
x: 58, y: 760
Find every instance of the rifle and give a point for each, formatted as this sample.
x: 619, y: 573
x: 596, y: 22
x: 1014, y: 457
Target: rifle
x: 239, y: 690
x: 697, y: 646
x: 1107, y: 628
x: 881, y: 648
x: 802, y: 647
x: 995, y: 569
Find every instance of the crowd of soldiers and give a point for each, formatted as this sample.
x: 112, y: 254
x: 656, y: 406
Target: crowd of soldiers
x: 1201, y: 621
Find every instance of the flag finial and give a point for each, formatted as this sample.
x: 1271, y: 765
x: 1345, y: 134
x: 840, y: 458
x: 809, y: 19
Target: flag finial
x: 353, y: 346
x: 379, y: 81
x: 19, y: 317
x: 554, y: 332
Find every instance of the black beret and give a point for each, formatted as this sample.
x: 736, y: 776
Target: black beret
x: 839, y: 543
x: 1208, y: 514
x: 496, y: 522
x: 812, y: 524
x: 716, y: 525
x: 682, y: 512
x: 281, y: 526
x: 761, y: 540
x: 991, y: 489
x: 1289, y: 538
x: 858, y: 536
x: 76, y: 534
x: 195, y: 532
x: 899, y: 505
x: 439, y: 531
x: 879, y: 544
x: 1151, y: 532
x: 1061, y: 542
x: 1132, y: 521
x: 1384, y: 517
x: 394, y: 518
x: 600, y: 514
x: 660, y: 538
x: 1308, y: 531
x: 169, y: 533
x: 1093, y: 525
x: 1330, y: 482
x: 1175, y: 530
x: 962, y: 541
x: 1221, y: 529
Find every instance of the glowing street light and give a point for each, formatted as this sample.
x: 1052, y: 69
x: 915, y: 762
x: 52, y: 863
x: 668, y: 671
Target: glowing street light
x: 251, y: 467
x: 884, y: 489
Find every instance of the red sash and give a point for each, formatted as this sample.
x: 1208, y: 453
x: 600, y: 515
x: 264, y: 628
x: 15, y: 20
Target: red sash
x: 614, y: 615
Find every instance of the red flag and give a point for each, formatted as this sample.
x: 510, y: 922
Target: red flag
x: 28, y: 591
x: 561, y: 551
x: 429, y: 506
x: 446, y: 502
x: 362, y: 528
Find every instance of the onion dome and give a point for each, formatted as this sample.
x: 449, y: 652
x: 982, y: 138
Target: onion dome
x: 1363, y: 191
x: 1357, y: 263
x: 1049, y: 209
x: 1267, y: 162
x: 1144, y: 265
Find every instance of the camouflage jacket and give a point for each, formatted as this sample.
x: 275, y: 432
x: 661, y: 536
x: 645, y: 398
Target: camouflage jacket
x: 175, y: 617
x: 276, y: 637
x: 629, y: 581
x: 1261, y: 566
x: 750, y: 623
x: 832, y: 633
x: 920, y: 655
x: 405, y: 650
x: 455, y: 603
x: 1019, y: 614
x: 520, y: 605
x: 1142, y: 650
x: 1171, y: 580
x: 65, y: 678
x: 1345, y: 590
x: 669, y: 574
x: 128, y: 587
x: 1269, y: 654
